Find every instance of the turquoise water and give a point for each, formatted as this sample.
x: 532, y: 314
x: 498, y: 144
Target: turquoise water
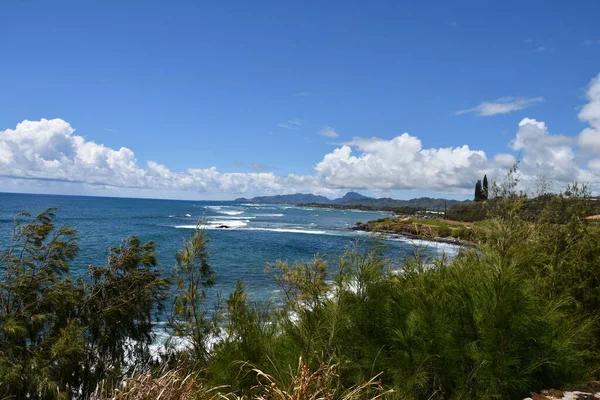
x: 256, y: 234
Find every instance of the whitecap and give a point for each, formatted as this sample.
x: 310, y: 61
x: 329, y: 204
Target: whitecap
x: 216, y: 224
x: 269, y: 215
x: 230, y: 212
x: 187, y: 215
x: 232, y: 217
x: 262, y: 206
x: 290, y: 230
x: 229, y: 223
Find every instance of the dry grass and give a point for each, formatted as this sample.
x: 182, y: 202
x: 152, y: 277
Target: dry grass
x: 170, y: 385
x: 305, y: 385
x: 316, y: 385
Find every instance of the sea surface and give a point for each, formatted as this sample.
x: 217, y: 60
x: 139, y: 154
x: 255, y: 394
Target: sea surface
x: 256, y: 234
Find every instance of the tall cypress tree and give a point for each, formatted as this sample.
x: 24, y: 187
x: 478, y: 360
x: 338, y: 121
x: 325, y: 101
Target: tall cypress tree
x: 478, y: 191
x: 485, y: 192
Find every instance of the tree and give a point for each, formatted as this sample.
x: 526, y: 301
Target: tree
x: 121, y: 300
x: 60, y: 337
x: 485, y: 189
x: 478, y: 194
x: 193, y: 275
x: 38, y: 306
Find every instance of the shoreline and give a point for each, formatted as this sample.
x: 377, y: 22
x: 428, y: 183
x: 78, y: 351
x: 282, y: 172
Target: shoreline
x: 409, y: 235
x: 343, y: 207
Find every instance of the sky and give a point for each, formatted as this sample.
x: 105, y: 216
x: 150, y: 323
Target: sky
x: 224, y: 99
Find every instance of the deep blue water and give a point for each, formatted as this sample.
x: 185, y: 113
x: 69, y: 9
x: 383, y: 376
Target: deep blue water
x: 257, y: 234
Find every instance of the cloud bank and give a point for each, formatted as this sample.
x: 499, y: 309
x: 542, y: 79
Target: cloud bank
x: 49, y: 152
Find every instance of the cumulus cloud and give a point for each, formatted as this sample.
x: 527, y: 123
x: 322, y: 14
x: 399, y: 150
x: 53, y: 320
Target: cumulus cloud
x: 49, y: 150
x: 328, y: 132
x: 44, y: 152
x: 400, y: 163
x: 589, y: 138
x: 504, y: 161
x: 545, y: 153
x: 502, y: 105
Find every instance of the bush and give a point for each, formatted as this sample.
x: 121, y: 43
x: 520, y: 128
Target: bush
x: 444, y: 231
x: 468, y: 212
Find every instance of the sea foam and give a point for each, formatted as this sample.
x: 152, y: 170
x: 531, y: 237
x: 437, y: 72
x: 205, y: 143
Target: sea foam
x: 230, y: 212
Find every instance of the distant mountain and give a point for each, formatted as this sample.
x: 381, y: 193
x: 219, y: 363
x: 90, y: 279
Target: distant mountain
x: 287, y: 199
x: 353, y: 199
x: 351, y: 196
x: 426, y: 203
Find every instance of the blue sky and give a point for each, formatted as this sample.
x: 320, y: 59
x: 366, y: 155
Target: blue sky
x: 247, y: 87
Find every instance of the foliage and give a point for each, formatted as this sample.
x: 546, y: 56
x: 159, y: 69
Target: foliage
x: 59, y: 337
x: 485, y: 189
x: 444, y: 231
x: 193, y: 275
x: 305, y: 384
x: 478, y: 192
x: 516, y: 314
x: 468, y: 212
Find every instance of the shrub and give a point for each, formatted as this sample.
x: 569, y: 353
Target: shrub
x: 444, y: 231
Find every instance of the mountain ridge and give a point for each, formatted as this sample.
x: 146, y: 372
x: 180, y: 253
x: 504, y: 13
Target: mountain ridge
x: 353, y: 199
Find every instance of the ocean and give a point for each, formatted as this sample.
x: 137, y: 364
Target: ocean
x: 256, y: 234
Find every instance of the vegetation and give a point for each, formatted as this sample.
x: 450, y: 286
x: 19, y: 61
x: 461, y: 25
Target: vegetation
x: 515, y: 315
x: 468, y: 212
x: 420, y: 228
x: 405, y: 207
x: 478, y: 192
x: 485, y: 190
x: 63, y: 336
x: 481, y: 190
x: 357, y: 201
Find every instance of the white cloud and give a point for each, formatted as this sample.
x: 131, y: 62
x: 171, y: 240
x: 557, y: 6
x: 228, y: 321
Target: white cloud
x: 328, y: 132
x: 550, y: 155
x: 47, y: 154
x: 49, y: 150
x: 400, y: 163
x: 504, y: 161
x: 502, y: 105
x: 589, y: 139
x: 291, y: 124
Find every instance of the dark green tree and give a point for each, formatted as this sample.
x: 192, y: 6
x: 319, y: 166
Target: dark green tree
x: 194, y: 274
x: 485, y: 189
x: 60, y: 337
x: 120, y: 301
x: 478, y: 191
x: 38, y: 309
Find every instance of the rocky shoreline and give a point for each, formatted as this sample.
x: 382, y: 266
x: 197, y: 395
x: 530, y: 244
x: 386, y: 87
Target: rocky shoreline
x: 412, y: 234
